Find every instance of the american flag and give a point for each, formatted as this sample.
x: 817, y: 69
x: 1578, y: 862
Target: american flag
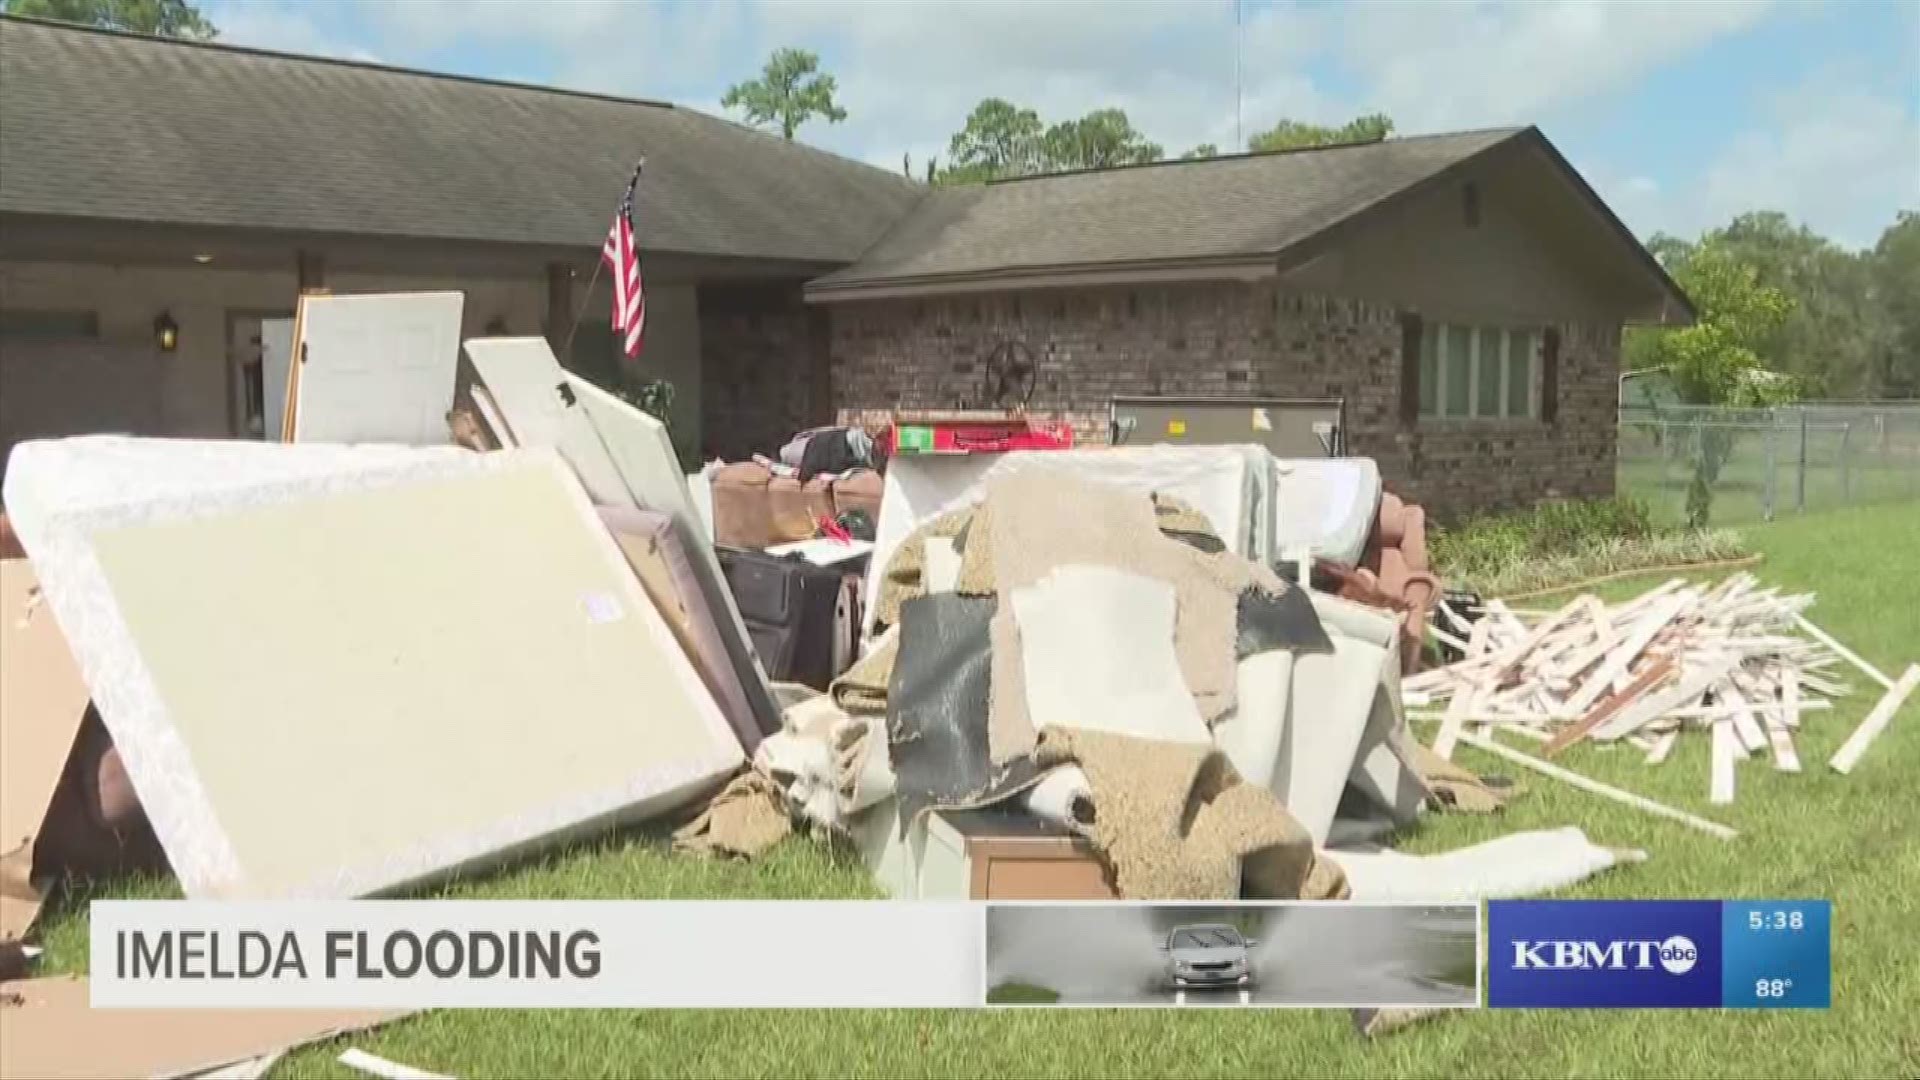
x: 622, y: 260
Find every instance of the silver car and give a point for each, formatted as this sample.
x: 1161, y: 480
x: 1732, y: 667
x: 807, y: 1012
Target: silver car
x: 1207, y: 955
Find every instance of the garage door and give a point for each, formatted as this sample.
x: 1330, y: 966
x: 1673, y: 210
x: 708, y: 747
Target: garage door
x: 52, y: 387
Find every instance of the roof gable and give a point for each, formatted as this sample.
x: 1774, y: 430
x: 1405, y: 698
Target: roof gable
x: 123, y: 127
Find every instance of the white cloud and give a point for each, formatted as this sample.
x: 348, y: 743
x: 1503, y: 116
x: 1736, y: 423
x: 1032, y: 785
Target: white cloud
x: 1832, y: 153
x: 283, y: 29
x: 1471, y: 63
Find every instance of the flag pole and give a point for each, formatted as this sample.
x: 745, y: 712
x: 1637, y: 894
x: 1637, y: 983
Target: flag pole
x: 593, y: 279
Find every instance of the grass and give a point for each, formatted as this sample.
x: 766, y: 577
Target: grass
x: 1018, y: 993
x: 1855, y: 840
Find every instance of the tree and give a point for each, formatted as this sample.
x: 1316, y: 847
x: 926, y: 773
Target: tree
x: 1294, y: 135
x: 790, y: 91
x: 1204, y: 150
x: 1101, y: 139
x: 165, y: 18
x: 1717, y: 361
x: 1836, y: 335
x: 1895, y: 276
x: 999, y: 139
x: 1002, y: 140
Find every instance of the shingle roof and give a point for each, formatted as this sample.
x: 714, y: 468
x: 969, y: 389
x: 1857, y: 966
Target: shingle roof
x: 1220, y: 209
x: 106, y: 125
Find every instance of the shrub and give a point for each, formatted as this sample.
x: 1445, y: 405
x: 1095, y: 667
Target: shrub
x: 1564, y: 541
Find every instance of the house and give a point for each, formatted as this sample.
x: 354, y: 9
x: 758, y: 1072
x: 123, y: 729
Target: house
x: 1463, y: 293
x: 145, y: 180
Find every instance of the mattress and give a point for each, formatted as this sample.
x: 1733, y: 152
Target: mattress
x: 332, y: 672
x: 1325, y: 505
x: 1224, y: 483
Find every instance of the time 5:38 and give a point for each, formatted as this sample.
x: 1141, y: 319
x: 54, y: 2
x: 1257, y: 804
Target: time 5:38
x: 1776, y: 920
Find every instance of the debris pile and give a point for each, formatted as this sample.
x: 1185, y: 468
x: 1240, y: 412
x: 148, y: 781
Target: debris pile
x: 1735, y: 662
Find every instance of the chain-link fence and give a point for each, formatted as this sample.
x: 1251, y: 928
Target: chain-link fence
x: 1756, y: 464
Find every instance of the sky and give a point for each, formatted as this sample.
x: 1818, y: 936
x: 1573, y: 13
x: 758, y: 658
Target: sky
x: 1680, y: 114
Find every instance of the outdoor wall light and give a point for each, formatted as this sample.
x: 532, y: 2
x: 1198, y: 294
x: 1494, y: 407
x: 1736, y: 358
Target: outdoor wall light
x: 166, y: 332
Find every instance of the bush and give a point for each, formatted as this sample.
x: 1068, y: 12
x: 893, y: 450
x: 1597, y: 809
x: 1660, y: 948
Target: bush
x: 1564, y: 541
x: 1489, y: 541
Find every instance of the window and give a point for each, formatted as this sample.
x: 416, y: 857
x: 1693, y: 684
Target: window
x: 1478, y: 372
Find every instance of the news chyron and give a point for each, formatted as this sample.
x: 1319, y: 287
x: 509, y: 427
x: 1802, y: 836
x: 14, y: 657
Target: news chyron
x: 1674, y: 954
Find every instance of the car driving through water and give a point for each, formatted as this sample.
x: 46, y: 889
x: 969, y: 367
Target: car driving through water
x: 1207, y: 955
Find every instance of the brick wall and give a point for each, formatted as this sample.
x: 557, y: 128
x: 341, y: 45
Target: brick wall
x: 762, y: 369
x: 1229, y: 340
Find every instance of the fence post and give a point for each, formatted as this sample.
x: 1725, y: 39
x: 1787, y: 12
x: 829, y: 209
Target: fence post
x: 1846, y: 469
x: 1773, y: 466
x: 1800, y: 484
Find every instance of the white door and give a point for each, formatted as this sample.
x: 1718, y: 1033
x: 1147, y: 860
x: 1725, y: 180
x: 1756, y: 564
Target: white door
x: 377, y: 368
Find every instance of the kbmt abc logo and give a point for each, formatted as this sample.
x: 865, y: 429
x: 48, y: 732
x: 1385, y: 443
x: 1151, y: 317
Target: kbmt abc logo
x: 1676, y: 954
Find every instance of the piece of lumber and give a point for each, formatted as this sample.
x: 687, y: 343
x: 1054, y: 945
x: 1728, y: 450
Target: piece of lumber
x: 1608, y: 791
x: 1720, y: 790
x: 1845, y: 758
x: 1450, y: 728
x: 1781, y: 740
x: 1540, y: 633
x: 1745, y: 726
x: 1445, y: 638
x: 1689, y: 686
x: 381, y: 1067
x: 1852, y: 657
x: 1663, y: 746
x: 1623, y: 655
x: 1650, y: 676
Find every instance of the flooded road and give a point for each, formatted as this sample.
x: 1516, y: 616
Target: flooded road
x: 1335, y: 954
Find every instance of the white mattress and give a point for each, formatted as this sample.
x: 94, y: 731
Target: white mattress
x: 1325, y: 505
x: 320, y: 680
x: 1225, y: 483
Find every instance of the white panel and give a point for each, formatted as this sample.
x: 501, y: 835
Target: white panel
x: 276, y: 358
x: 1325, y: 505
x: 377, y: 368
x: 529, y: 388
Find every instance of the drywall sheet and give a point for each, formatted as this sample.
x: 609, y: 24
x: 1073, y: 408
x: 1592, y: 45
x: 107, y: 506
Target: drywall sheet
x: 344, y: 684
x: 1096, y: 645
x: 42, y: 700
x: 276, y: 359
x: 49, y: 1029
x: 1220, y: 482
x: 1326, y: 505
x: 376, y: 368
x: 649, y: 469
x: 538, y: 407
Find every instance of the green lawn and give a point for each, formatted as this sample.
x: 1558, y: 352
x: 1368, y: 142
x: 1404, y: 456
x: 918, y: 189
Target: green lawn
x: 1855, y: 840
